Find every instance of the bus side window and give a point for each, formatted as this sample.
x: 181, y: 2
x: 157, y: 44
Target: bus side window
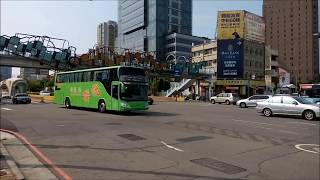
x: 71, y: 77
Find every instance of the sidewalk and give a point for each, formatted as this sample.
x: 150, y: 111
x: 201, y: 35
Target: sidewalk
x: 15, y: 154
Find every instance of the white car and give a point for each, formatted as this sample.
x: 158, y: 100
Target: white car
x: 252, y: 101
x: 44, y: 93
x: 228, y: 98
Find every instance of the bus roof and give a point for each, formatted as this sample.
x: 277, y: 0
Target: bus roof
x: 96, y: 69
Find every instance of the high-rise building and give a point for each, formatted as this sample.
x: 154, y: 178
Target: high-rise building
x: 33, y: 73
x: 144, y: 24
x: 5, y: 73
x: 107, y: 33
x: 290, y: 28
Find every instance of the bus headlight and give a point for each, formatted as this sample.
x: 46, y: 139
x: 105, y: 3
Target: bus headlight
x: 124, y: 105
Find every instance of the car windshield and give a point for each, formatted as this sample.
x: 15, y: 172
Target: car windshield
x: 302, y: 100
x: 134, y: 92
x: 21, y: 95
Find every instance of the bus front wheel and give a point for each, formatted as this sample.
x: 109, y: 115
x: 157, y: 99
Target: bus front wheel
x: 102, y: 106
x: 67, y: 103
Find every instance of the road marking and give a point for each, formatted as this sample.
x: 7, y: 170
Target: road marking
x: 7, y: 109
x: 60, y: 125
x: 257, y: 123
x: 302, y: 123
x: 316, y: 148
x: 171, y: 147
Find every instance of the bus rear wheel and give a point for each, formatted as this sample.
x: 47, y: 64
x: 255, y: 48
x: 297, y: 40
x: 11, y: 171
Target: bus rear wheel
x: 102, y: 106
x: 67, y: 103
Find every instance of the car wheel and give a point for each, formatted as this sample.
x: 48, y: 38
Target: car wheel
x: 67, y: 103
x: 213, y: 101
x: 243, y: 105
x: 267, y: 112
x: 228, y: 102
x: 309, y: 115
x: 102, y: 107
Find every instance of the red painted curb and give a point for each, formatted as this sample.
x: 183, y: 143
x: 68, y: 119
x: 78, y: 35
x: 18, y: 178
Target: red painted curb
x: 59, y: 171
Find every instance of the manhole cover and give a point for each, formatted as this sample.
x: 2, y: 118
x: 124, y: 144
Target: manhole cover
x: 79, y: 114
x: 218, y: 165
x: 131, y: 137
x: 193, y: 138
x: 114, y: 123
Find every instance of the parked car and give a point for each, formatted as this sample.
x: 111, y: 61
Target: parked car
x: 227, y: 98
x: 21, y: 98
x: 252, y: 101
x: 44, y: 93
x: 150, y: 101
x: 288, y: 105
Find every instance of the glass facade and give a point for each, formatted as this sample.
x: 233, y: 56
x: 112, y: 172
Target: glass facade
x: 144, y: 24
x: 5, y: 73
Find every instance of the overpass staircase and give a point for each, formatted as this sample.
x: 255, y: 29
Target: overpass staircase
x: 53, y: 52
x: 180, y: 86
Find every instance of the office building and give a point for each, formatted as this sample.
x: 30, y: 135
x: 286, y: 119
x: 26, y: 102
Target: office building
x: 107, y: 33
x: 290, y: 28
x: 178, y: 46
x: 144, y: 25
x: 240, y: 53
x: 271, y: 70
x: 5, y: 72
x: 33, y: 73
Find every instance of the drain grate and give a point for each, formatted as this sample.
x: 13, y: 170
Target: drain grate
x: 218, y: 165
x: 131, y: 137
x: 114, y: 124
x: 193, y: 138
x: 79, y: 114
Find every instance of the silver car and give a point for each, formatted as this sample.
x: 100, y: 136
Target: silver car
x: 252, y: 101
x: 288, y: 105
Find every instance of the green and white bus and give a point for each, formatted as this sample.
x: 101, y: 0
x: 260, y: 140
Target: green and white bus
x: 117, y: 88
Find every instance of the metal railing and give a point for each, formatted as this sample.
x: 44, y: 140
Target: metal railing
x: 177, y: 86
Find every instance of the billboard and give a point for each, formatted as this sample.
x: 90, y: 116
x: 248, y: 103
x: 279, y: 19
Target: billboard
x: 284, y: 77
x: 230, y: 59
x: 254, y: 27
x: 230, y: 24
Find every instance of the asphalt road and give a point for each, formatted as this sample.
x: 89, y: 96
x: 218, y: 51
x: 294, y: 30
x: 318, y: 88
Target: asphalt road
x: 169, y: 141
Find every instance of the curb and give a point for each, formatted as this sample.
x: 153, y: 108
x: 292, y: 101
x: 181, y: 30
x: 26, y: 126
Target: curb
x: 12, y: 165
x: 32, y: 162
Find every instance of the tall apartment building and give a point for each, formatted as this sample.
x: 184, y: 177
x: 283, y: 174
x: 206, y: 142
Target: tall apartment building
x: 5, y: 73
x: 107, y: 33
x: 144, y: 25
x: 290, y: 28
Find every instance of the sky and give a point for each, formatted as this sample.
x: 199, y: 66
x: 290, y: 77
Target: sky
x: 76, y: 21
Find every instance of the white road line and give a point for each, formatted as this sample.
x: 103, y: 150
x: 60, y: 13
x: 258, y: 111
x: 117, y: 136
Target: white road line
x: 303, y: 123
x: 316, y: 146
x: 171, y: 147
x: 7, y: 109
x: 257, y: 123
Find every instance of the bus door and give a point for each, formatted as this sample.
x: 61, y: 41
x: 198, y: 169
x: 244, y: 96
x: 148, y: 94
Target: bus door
x: 115, y: 95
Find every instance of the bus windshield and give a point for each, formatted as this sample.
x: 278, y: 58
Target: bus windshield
x: 132, y: 74
x: 134, y: 92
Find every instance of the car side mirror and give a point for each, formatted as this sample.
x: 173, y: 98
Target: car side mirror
x: 295, y: 103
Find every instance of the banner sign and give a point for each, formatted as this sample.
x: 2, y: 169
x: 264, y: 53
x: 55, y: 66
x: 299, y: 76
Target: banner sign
x: 254, y: 27
x: 230, y: 59
x: 230, y: 24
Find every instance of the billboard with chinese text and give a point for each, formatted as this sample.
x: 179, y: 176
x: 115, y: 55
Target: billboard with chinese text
x: 230, y: 59
x: 230, y: 24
